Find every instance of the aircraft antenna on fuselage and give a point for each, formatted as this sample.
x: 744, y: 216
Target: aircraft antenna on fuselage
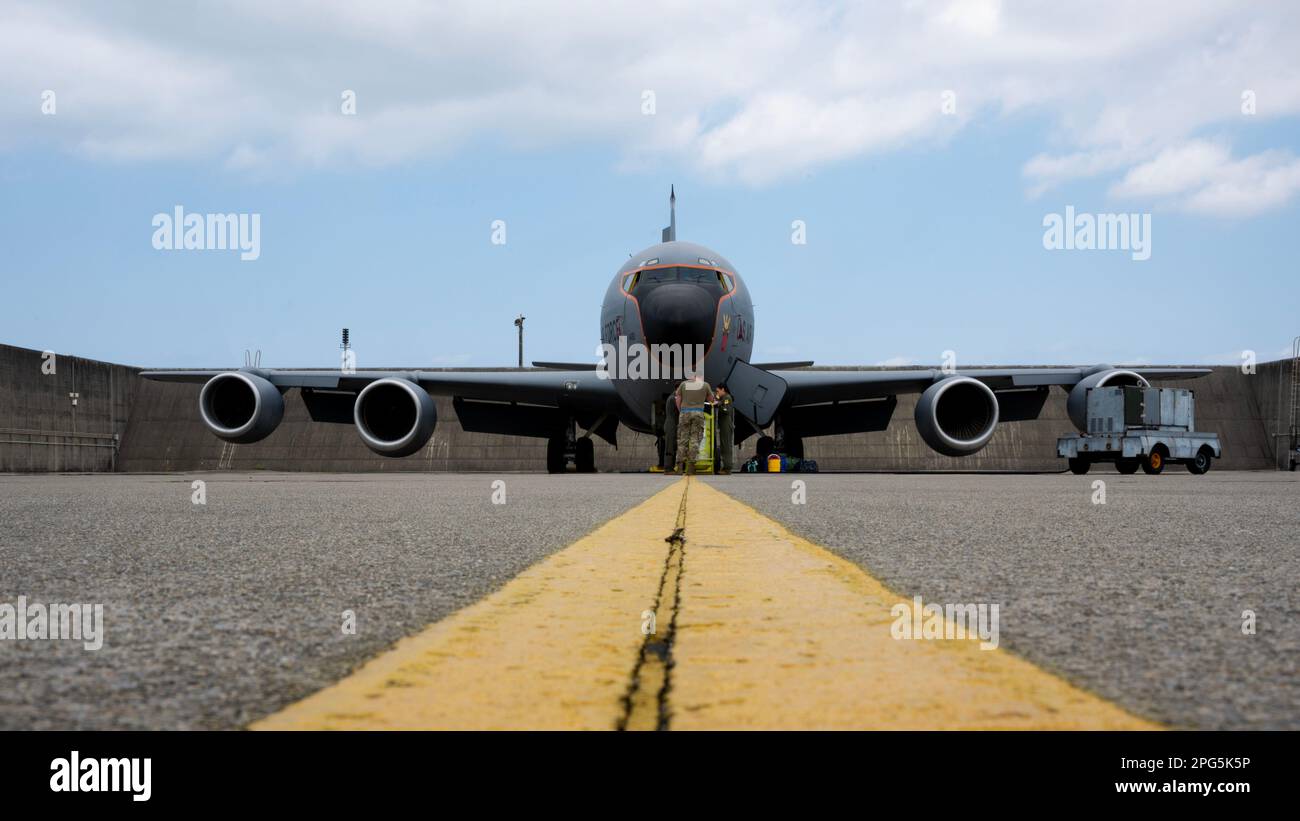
x: 670, y: 233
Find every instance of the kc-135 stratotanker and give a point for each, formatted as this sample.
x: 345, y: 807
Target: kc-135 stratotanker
x: 676, y: 296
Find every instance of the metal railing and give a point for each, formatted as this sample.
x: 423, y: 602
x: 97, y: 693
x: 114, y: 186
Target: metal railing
x: 63, y: 438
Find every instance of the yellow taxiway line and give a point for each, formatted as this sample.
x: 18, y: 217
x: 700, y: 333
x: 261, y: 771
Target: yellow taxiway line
x: 774, y: 631
x: 754, y: 627
x: 552, y: 649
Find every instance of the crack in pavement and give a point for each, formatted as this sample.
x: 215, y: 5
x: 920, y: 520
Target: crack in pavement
x: 645, y: 706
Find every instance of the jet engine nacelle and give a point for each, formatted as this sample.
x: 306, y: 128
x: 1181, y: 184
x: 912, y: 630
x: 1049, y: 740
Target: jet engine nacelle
x: 241, y: 407
x: 394, y: 416
x: 1076, y: 404
x: 956, y: 416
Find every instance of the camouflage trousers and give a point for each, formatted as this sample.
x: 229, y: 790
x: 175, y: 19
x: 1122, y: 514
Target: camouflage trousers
x: 670, y: 439
x: 690, y: 434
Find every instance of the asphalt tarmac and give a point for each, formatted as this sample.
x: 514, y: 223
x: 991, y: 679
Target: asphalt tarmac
x: 1139, y: 600
x: 220, y: 614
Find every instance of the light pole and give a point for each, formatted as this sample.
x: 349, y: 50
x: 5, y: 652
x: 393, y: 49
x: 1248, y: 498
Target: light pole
x: 519, y: 323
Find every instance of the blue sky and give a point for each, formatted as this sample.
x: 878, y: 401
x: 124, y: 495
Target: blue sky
x: 924, y: 229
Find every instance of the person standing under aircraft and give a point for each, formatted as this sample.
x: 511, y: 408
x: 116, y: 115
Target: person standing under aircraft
x: 693, y: 397
x: 670, y: 435
x: 725, y: 427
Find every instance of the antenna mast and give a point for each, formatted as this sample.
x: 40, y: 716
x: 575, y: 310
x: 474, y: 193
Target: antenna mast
x: 670, y: 233
x: 519, y: 323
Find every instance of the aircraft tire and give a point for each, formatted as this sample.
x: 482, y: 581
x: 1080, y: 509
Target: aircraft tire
x: 585, y: 457
x: 555, y: 461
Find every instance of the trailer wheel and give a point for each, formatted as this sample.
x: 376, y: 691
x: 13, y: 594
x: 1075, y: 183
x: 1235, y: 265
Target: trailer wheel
x: 1079, y: 466
x: 1201, y: 462
x: 1155, y: 461
x: 1127, y: 466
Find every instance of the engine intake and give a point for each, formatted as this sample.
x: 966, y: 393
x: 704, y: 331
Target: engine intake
x: 1076, y: 404
x: 956, y: 416
x: 241, y: 407
x: 395, y: 417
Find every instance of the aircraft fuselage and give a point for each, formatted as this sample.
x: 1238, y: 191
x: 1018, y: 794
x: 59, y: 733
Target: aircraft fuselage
x: 671, y: 302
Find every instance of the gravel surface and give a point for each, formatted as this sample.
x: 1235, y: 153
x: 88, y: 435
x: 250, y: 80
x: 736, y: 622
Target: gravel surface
x: 1139, y: 599
x: 216, y: 615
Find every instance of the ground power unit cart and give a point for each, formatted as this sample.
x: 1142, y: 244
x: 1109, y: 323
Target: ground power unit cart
x: 1144, y: 427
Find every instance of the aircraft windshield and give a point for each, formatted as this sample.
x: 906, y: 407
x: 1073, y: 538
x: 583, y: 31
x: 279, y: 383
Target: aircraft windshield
x: 706, y: 277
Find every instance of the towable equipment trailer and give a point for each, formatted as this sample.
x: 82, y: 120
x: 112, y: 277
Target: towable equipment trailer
x: 1144, y: 427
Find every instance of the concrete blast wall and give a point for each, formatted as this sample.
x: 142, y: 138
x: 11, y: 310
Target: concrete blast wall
x: 42, y: 431
x: 161, y: 431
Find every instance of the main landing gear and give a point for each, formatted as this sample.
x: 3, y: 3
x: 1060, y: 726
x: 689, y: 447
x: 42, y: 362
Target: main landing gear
x: 783, y: 442
x: 569, y: 446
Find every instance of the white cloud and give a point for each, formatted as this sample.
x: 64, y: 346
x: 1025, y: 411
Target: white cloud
x: 1174, y: 170
x: 978, y: 17
x: 748, y: 90
x: 1203, y: 177
x: 896, y: 362
x: 1250, y: 186
x: 779, y: 134
x: 1048, y: 171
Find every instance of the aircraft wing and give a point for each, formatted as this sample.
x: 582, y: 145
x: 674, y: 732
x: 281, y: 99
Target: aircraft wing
x: 812, y: 387
x: 549, y: 387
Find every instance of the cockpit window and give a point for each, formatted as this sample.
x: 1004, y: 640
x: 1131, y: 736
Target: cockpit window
x: 657, y: 275
x: 707, y: 277
x: 698, y: 275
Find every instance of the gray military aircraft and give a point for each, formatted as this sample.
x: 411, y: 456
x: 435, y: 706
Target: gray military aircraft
x: 666, y: 301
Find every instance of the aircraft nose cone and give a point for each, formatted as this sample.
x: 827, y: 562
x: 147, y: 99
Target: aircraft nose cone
x: 678, y: 313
